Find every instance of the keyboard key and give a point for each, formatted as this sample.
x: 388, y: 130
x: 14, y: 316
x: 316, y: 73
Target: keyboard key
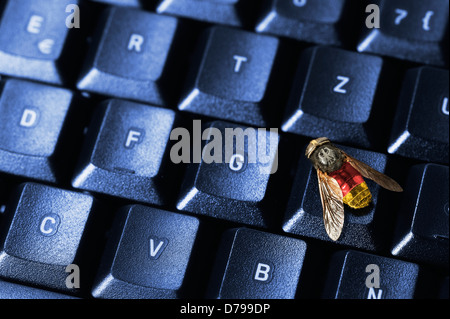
x: 232, y: 187
x: 32, y: 129
x: 147, y: 255
x: 333, y: 96
x: 128, y: 60
x: 9, y: 290
x: 128, y: 3
x: 214, y: 11
x: 412, y: 30
x: 311, y: 21
x: 43, y: 236
x: 363, y: 228
x: 443, y: 293
x: 421, y: 124
x: 124, y: 151
x: 422, y: 228
x: 38, y: 49
x: 253, y: 264
x: 229, y: 81
x: 358, y: 275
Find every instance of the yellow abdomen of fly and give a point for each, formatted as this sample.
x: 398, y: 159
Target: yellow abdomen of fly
x: 355, y: 192
x: 358, y: 197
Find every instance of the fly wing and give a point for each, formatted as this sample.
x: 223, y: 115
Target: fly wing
x: 370, y: 173
x: 332, y: 204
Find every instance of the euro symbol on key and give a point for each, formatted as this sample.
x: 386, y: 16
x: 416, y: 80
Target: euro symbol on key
x: 46, y: 46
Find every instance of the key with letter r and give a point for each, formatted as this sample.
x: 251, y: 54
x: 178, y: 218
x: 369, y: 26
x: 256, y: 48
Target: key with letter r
x: 129, y: 54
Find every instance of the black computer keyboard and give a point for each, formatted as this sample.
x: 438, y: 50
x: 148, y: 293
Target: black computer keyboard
x: 106, y: 108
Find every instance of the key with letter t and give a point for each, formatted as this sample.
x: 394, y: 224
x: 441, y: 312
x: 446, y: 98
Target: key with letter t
x: 229, y: 79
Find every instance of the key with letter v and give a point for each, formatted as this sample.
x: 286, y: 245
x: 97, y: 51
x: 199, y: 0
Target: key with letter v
x: 157, y: 246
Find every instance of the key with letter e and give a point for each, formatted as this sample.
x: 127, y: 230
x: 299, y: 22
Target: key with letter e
x: 39, y: 48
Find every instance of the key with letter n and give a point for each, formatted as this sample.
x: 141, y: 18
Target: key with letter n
x: 358, y: 275
x: 42, y: 46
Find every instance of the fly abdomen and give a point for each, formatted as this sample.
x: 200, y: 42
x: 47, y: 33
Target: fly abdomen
x: 355, y: 192
x: 358, y: 197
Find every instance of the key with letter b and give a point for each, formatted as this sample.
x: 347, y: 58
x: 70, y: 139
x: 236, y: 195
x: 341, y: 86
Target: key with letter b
x: 256, y: 265
x: 124, y: 151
